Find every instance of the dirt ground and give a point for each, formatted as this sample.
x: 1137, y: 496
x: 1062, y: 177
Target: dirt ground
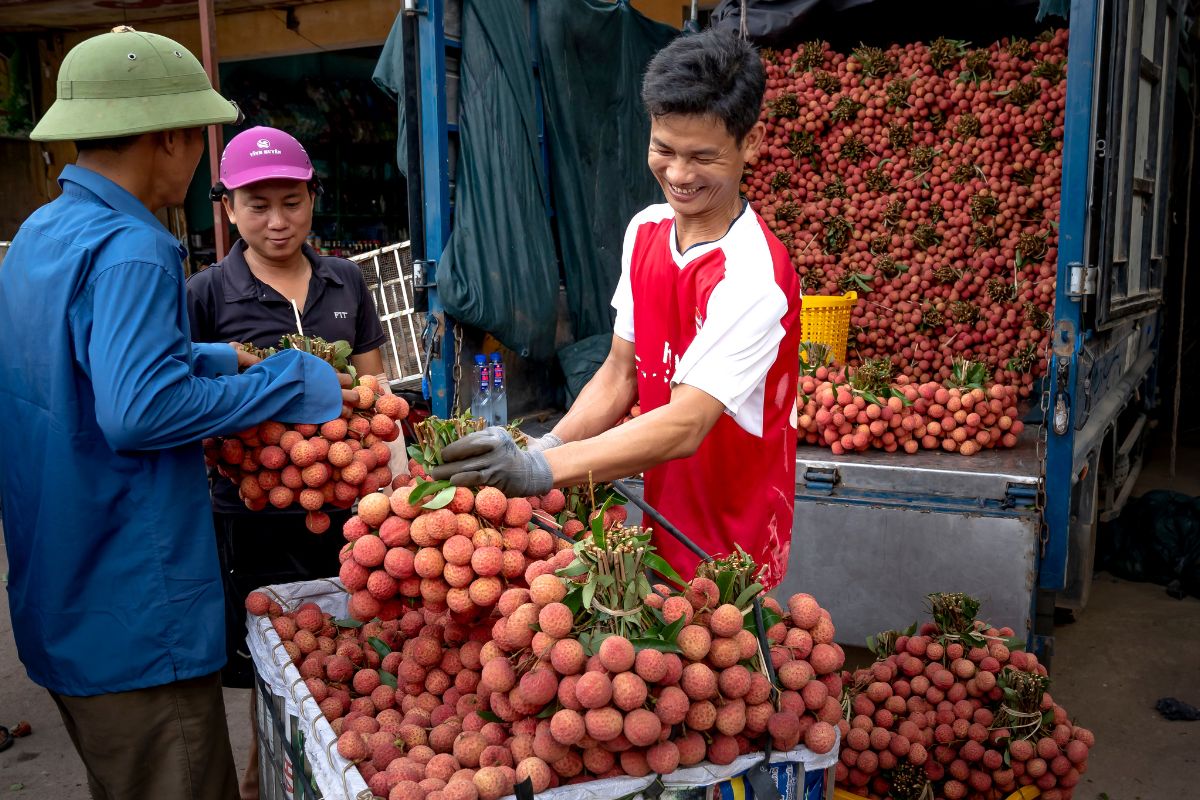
x: 1138, y: 756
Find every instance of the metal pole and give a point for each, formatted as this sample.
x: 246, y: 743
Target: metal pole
x: 216, y: 137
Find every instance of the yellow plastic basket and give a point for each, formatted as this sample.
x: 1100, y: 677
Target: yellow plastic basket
x: 826, y: 320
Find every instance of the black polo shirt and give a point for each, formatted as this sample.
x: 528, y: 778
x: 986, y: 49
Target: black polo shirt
x: 226, y: 303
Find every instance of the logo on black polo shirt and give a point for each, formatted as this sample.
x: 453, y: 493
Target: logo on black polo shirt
x: 341, y: 314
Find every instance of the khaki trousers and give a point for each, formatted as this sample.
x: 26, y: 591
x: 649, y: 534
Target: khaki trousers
x: 165, y: 742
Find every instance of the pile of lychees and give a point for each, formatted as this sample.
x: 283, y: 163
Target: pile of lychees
x: 483, y: 651
x: 314, y: 466
x: 957, y: 712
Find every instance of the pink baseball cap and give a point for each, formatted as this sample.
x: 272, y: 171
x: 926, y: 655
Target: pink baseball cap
x: 262, y: 154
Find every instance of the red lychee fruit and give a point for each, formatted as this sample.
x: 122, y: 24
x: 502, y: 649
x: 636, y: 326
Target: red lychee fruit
x: 698, y: 681
x: 604, y: 724
x: 820, y: 737
x: 694, y: 642
x: 374, y: 509
x: 617, y: 654
x: 352, y: 747
x: 672, y: 705
x: 567, y: 726
x: 491, y: 504
x: 593, y: 690
x: 726, y: 620
x: 556, y: 620
x: 628, y: 691
x: 536, y: 771
x: 369, y: 551
x: 257, y: 603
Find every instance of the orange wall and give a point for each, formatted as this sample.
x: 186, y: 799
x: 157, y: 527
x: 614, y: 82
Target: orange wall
x: 333, y: 25
x: 668, y: 11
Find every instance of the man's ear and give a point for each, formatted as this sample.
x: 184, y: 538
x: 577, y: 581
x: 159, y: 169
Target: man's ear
x: 753, y: 140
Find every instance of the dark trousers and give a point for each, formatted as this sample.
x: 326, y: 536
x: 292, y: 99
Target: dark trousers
x: 260, y: 549
x: 167, y: 741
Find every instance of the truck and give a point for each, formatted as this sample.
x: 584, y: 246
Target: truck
x: 874, y: 533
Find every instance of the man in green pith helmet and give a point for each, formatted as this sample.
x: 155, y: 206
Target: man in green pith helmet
x: 114, y: 589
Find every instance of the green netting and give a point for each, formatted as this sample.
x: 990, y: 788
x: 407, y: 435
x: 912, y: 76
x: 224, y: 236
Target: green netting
x: 500, y: 271
x: 593, y: 54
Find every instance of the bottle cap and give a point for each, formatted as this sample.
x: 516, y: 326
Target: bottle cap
x: 479, y: 359
x: 495, y: 356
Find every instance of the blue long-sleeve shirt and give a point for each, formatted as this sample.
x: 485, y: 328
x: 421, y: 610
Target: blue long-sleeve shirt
x: 113, y: 576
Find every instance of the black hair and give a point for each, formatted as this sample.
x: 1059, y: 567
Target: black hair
x: 713, y: 73
x: 115, y: 144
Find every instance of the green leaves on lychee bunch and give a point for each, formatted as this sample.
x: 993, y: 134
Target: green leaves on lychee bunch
x: 434, y: 434
x: 814, y: 355
x: 608, y: 583
x: 954, y: 613
x: 883, y: 644
x: 1021, y: 710
x: 736, y: 576
x: 336, y: 354
x: 967, y: 374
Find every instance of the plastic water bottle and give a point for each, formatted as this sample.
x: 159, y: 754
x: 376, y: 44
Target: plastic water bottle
x: 499, y: 397
x: 481, y: 406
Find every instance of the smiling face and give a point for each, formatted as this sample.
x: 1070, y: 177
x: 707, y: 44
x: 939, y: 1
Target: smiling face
x: 274, y: 217
x: 699, y: 166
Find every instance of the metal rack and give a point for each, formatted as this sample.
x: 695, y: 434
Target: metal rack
x: 388, y: 272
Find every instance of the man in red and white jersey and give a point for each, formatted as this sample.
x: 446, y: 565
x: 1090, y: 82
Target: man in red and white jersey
x: 706, y: 336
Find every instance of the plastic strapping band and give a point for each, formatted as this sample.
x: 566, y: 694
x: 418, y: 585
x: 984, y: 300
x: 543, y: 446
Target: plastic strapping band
x: 760, y: 778
x: 650, y: 511
x: 761, y: 630
x: 524, y: 789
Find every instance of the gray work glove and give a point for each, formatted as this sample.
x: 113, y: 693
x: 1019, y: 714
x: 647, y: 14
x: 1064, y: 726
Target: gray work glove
x: 491, y: 458
x: 544, y: 443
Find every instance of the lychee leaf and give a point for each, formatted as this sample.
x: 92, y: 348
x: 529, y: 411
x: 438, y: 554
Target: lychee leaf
x: 573, y: 601
x: 589, y: 591
x: 548, y: 711
x: 348, y: 623
x: 671, y: 632
x: 387, y: 679
x: 442, y: 499
x: 1014, y: 643
x: 575, y: 569
x: 426, y: 488
x: 596, y: 640
x: 647, y: 643
x: 724, y: 584
x: 380, y: 646
x: 489, y: 716
x: 659, y: 565
x: 749, y: 594
x: 770, y: 620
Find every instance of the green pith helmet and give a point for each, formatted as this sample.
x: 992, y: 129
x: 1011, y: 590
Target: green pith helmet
x: 129, y: 82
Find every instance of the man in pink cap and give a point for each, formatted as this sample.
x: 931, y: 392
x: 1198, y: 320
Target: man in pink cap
x: 268, y: 187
